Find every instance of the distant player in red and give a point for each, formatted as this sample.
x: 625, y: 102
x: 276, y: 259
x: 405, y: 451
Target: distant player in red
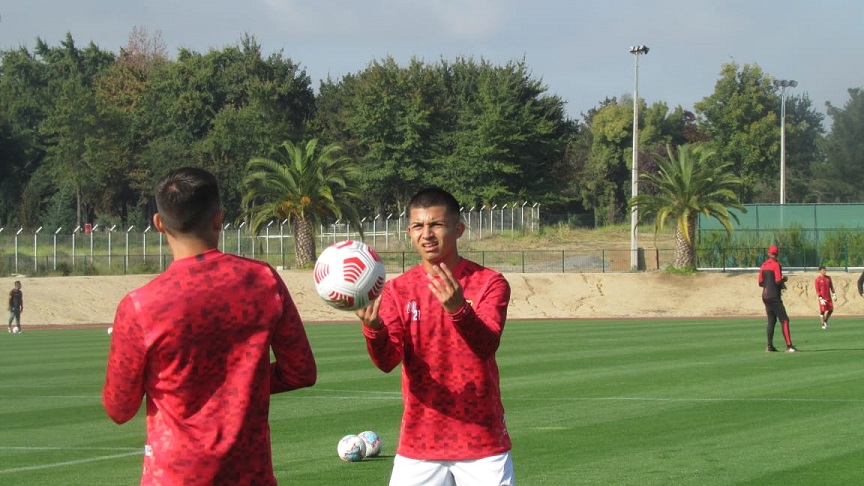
x: 826, y: 295
x: 443, y: 321
x: 773, y: 282
x: 196, y: 341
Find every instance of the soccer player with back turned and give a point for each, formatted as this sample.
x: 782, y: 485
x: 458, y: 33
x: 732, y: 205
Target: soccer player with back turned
x: 196, y: 341
x: 773, y: 282
x: 443, y: 320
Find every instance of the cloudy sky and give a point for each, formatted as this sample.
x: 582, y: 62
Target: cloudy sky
x: 579, y: 48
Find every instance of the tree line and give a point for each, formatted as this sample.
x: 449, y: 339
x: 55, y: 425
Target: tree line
x: 86, y: 132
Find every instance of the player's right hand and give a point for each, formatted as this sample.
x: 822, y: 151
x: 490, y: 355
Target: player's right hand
x: 369, y: 314
x: 822, y: 301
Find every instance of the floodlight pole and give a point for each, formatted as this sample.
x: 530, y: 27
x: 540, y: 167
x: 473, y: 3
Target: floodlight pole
x: 634, y: 187
x: 783, y: 84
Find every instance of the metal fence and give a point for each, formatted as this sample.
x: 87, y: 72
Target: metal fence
x: 111, y: 250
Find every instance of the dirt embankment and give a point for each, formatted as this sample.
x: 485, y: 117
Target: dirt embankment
x: 92, y: 300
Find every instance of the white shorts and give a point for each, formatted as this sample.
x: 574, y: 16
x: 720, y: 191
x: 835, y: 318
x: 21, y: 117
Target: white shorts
x: 488, y: 471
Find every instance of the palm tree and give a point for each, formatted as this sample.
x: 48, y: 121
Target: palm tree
x: 684, y: 187
x: 304, y: 186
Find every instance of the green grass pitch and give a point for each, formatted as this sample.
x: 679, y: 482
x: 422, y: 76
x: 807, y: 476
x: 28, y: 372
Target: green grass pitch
x: 641, y: 402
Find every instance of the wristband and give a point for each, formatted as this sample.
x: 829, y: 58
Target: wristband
x: 462, y: 312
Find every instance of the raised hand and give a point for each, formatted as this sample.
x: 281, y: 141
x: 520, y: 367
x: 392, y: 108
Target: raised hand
x: 446, y: 288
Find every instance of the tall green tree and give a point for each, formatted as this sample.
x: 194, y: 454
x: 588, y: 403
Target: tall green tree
x: 126, y: 126
x: 304, y: 185
x: 689, y: 183
x: 489, y: 133
x: 71, y: 124
x: 841, y: 177
x: 742, y: 121
x: 508, y: 135
x: 605, y: 180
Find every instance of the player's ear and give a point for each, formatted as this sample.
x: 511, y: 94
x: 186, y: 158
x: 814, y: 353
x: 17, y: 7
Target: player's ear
x: 460, y: 228
x: 158, y: 224
x: 218, y: 219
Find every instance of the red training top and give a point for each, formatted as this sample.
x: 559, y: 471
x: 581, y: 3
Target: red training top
x: 771, y: 279
x: 196, y: 341
x: 450, y: 389
x: 824, y: 286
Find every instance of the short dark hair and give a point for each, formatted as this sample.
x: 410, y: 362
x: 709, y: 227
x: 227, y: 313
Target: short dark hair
x: 821, y: 267
x: 187, y: 199
x: 435, y: 196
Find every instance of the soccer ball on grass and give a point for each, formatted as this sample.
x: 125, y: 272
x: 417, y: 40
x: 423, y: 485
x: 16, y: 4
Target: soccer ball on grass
x: 351, y: 448
x: 373, y: 443
x: 349, y: 274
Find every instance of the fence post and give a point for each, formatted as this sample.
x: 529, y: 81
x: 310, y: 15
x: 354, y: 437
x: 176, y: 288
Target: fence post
x: 110, y: 230
x: 35, y: 253
x: 16, y: 248
x: 73, y: 247
x: 238, y: 237
x: 126, y: 255
x: 162, y: 254
x: 55, y: 247
x: 144, y: 244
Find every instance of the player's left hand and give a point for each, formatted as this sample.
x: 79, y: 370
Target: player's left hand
x: 446, y: 288
x: 833, y: 296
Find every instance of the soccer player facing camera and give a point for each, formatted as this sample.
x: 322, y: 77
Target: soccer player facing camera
x: 443, y: 320
x: 826, y: 295
x: 196, y: 341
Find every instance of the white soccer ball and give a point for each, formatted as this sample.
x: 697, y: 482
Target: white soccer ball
x: 373, y: 443
x: 349, y: 274
x: 351, y: 448
x: 110, y: 330
x: 15, y: 330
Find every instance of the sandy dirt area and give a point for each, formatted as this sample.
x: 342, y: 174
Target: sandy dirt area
x: 92, y: 300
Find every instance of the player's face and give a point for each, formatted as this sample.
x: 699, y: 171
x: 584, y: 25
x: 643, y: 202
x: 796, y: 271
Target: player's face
x: 823, y: 272
x: 434, y: 233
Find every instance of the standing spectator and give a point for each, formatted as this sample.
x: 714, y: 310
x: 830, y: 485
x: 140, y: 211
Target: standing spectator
x: 196, y: 341
x: 16, y: 306
x: 443, y: 320
x: 826, y: 295
x: 773, y: 282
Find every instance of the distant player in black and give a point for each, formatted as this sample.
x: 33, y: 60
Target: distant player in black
x: 773, y: 282
x: 861, y: 285
x: 16, y: 306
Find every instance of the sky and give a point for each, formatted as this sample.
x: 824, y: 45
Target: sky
x: 579, y: 49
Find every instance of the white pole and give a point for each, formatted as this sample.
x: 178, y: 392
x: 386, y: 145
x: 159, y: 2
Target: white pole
x: 783, y: 85
x: 634, y: 186
x: 35, y: 257
x: 55, y: 247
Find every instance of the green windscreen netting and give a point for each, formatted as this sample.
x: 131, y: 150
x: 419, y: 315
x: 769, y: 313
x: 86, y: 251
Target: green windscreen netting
x: 810, y: 234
